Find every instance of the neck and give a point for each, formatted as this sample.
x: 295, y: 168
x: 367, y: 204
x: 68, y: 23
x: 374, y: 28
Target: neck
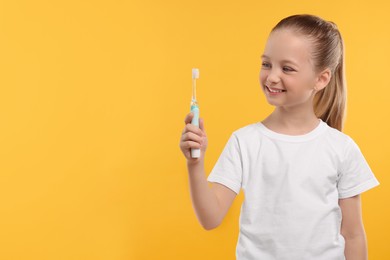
x: 292, y: 120
x: 293, y: 117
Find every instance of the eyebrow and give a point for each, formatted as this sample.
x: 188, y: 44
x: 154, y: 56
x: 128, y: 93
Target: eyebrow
x: 290, y: 61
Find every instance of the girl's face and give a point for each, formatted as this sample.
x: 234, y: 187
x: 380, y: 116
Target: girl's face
x: 286, y: 66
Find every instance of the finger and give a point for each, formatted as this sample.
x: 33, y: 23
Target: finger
x: 201, y: 124
x: 194, y: 129
x: 190, y: 127
x: 188, y: 118
x: 192, y: 137
x: 192, y: 144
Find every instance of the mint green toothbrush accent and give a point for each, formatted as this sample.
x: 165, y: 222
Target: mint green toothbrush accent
x: 195, y: 152
x: 195, y: 110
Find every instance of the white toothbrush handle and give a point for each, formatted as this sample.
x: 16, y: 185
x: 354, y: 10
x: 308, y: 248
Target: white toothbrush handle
x: 195, y: 152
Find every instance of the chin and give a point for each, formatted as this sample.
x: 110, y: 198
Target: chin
x: 275, y: 103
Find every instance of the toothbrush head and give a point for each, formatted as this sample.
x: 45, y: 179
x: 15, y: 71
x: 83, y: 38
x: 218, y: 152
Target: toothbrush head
x: 195, y: 73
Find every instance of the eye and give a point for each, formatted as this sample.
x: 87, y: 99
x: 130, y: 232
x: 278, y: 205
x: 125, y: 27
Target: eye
x: 265, y: 64
x: 288, y: 69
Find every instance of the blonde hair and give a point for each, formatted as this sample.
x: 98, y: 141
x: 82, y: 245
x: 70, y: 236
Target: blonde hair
x: 327, y: 52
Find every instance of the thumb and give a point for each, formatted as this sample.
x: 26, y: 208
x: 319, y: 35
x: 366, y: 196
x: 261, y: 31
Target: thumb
x: 201, y: 124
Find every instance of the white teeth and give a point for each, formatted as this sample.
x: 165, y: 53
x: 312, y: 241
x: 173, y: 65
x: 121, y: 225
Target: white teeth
x: 274, y: 91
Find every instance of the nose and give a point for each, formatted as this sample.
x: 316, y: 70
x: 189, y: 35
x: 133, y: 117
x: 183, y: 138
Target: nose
x: 273, y: 77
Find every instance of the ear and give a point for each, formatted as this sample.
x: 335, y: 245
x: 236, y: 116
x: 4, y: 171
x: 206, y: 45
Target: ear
x: 323, y: 79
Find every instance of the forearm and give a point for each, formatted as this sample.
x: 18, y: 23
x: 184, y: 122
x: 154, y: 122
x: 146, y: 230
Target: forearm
x: 356, y: 248
x: 204, y: 200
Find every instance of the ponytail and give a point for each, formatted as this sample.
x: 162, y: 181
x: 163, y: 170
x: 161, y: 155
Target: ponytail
x: 330, y: 102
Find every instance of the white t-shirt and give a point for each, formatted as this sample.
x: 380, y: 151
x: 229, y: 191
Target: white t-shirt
x: 292, y: 184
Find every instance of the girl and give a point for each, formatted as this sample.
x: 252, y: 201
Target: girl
x: 301, y: 175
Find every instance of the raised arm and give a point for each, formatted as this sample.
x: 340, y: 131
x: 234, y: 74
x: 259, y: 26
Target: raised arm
x: 210, y: 204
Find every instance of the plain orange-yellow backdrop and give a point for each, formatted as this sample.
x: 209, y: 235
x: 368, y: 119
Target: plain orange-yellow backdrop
x: 92, y: 105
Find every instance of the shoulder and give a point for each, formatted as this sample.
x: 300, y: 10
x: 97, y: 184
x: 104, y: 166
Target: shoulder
x: 344, y: 144
x: 246, y: 132
x: 247, y: 138
x: 338, y: 138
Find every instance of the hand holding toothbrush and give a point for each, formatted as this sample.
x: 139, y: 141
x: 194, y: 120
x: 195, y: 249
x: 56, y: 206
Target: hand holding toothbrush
x: 193, y: 137
x: 195, y: 151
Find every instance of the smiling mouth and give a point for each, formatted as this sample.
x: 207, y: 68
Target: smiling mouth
x: 275, y: 91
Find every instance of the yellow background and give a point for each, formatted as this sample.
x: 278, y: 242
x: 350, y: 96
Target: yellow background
x: 92, y: 105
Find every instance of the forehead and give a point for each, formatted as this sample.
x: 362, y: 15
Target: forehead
x: 285, y: 45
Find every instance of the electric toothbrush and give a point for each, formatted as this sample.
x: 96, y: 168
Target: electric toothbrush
x: 195, y: 152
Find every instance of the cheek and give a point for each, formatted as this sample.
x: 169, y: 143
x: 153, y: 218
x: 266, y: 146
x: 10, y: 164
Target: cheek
x: 262, y: 76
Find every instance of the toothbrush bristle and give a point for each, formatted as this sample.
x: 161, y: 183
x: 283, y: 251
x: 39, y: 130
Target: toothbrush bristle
x: 195, y: 73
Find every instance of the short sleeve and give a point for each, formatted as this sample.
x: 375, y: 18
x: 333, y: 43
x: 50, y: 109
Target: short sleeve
x: 228, y: 168
x: 355, y: 175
